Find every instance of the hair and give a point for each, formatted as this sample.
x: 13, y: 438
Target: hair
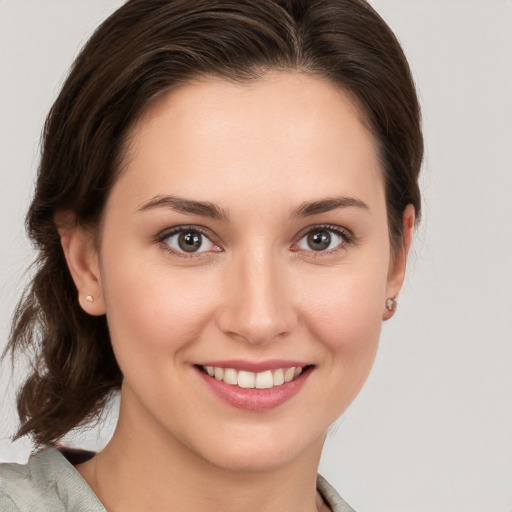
x: 143, y: 50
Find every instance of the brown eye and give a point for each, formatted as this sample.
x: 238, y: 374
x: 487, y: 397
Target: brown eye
x: 319, y: 240
x: 190, y: 241
x: 324, y: 239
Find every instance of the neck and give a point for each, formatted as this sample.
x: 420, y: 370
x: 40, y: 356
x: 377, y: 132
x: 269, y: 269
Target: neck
x: 145, y: 468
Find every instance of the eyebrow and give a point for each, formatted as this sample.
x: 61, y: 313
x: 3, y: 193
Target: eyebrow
x: 329, y: 204
x: 207, y: 209
x: 182, y: 205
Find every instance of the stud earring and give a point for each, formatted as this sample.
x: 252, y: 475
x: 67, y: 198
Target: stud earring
x: 391, y: 303
x: 89, y: 298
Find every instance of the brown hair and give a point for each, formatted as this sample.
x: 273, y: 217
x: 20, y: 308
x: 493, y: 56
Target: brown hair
x: 142, y: 50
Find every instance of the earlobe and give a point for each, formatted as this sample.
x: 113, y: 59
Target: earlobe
x: 398, y: 265
x: 83, y: 263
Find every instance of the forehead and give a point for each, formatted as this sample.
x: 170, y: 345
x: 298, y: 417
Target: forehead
x: 284, y: 129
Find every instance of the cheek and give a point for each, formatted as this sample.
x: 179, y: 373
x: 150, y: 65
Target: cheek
x: 345, y: 320
x: 345, y: 312
x: 153, y: 312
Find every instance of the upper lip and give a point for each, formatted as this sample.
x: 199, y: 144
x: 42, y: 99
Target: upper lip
x: 254, y: 366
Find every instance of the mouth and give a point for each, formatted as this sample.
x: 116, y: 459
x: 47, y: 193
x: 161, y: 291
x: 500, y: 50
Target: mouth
x: 254, y: 380
x: 269, y: 386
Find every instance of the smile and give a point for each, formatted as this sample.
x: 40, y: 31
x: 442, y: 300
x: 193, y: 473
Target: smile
x: 252, y: 380
x: 255, y: 386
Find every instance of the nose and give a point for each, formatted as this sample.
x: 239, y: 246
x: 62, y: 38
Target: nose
x: 257, y: 305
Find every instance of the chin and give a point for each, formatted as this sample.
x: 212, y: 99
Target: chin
x: 242, y: 460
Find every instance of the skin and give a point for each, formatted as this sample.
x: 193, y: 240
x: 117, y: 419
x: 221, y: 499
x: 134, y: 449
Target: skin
x: 259, y: 152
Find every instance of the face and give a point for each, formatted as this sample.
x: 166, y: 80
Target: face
x: 246, y: 236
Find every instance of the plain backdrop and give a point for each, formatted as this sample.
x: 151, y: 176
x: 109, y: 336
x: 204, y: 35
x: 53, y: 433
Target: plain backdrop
x: 432, y: 429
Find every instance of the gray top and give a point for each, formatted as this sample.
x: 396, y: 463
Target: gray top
x: 50, y: 483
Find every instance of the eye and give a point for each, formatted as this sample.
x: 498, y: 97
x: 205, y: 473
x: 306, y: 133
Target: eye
x: 323, y: 239
x: 188, y: 240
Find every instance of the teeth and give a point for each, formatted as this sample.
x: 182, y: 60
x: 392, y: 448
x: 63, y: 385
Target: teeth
x: 278, y: 377
x: 230, y: 376
x: 251, y: 380
x: 264, y: 380
x: 289, y: 374
x: 246, y: 379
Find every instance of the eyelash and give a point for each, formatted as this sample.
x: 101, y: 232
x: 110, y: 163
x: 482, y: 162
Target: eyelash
x: 162, y: 238
x: 346, y: 235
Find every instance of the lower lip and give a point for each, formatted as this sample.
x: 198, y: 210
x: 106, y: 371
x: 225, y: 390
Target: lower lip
x: 255, y: 399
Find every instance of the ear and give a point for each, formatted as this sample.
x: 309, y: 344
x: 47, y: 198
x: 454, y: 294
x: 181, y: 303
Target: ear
x: 398, y: 264
x: 83, y: 262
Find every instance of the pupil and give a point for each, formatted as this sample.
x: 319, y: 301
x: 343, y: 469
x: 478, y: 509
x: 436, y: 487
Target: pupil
x: 189, y: 241
x: 320, y: 240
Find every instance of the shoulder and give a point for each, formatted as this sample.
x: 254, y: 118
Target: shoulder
x: 47, y: 482
x: 335, y: 502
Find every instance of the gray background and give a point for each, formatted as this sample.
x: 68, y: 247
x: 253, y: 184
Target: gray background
x: 432, y: 429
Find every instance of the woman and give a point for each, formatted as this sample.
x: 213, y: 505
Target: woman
x: 224, y: 207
